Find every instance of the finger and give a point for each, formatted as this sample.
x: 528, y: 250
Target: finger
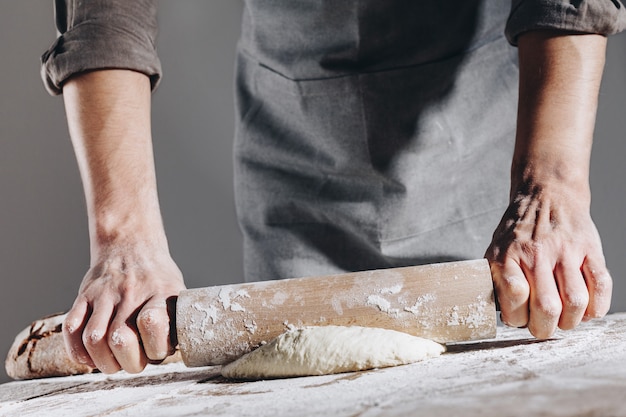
x: 153, y: 323
x: 545, y: 302
x: 600, y: 287
x: 95, y: 339
x: 513, y: 292
x: 125, y: 346
x: 574, y: 294
x: 73, y: 326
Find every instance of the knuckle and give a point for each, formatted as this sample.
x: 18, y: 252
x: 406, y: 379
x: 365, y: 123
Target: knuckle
x: 71, y: 326
x: 515, y: 288
x: 152, y: 319
x: 548, y: 308
x: 575, y: 302
x: 597, y: 311
x: 147, y: 318
x: 127, y: 288
x: 601, y: 281
x: 92, y: 337
x: 530, y: 250
x: 119, y: 338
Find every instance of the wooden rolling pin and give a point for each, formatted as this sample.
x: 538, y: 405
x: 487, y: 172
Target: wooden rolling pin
x: 447, y: 302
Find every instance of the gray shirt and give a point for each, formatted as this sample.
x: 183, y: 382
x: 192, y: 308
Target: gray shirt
x: 122, y: 34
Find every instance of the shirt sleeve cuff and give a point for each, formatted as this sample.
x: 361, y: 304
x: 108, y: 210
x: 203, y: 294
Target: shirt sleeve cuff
x: 101, y: 41
x: 604, y: 17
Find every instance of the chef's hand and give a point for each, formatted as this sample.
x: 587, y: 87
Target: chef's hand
x: 120, y: 318
x: 546, y: 257
x: 547, y: 261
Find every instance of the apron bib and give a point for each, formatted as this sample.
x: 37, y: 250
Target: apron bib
x: 371, y: 134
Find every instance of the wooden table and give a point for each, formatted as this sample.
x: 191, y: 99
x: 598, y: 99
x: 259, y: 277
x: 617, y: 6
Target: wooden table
x: 577, y: 373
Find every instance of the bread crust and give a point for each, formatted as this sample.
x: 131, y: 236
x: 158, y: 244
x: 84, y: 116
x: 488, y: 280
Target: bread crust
x: 39, y: 352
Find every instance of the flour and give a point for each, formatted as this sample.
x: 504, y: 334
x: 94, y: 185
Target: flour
x: 382, y: 304
x: 279, y: 298
x: 250, y: 326
x: 421, y: 300
x: 329, y: 350
x: 336, y: 303
x: 227, y: 302
x: 392, y: 290
x: 210, y: 314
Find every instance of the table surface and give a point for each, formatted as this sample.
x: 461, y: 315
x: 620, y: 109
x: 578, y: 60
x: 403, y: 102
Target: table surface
x: 576, y: 373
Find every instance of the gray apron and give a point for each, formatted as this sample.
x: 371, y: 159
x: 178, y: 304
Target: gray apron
x: 371, y: 134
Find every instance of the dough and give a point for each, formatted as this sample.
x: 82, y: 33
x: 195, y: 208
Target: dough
x: 329, y: 350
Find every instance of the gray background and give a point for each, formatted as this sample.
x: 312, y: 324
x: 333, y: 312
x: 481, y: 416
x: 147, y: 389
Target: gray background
x: 43, y: 229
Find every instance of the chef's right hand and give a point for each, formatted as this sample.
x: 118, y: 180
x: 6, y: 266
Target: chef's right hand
x: 120, y: 318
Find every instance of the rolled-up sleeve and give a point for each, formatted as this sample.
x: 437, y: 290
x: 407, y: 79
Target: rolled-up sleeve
x: 603, y: 17
x: 102, y: 34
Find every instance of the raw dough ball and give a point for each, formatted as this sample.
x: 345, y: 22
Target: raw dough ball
x: 330, y: 350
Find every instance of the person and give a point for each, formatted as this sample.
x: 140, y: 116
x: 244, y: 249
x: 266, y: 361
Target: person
x: 369, y: 135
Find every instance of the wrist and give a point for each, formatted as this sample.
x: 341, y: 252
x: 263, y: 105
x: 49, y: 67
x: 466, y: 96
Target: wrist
x: 548, y: 180
x: 137, y: 250
x: 126, y: 227
x: 125, y: 210
x: 560, y: 168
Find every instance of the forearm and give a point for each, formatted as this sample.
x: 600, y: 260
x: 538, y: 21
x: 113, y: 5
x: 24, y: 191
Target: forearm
x: 560, y: 78
x: 109, y: 121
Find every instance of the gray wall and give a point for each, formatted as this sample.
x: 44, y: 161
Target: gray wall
x: 43, y: 233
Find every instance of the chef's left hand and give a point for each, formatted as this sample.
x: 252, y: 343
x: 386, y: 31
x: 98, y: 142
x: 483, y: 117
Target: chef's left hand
x: 547, y: 261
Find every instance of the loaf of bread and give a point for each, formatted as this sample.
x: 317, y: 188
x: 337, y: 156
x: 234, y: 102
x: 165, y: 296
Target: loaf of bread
x: 38, y: 352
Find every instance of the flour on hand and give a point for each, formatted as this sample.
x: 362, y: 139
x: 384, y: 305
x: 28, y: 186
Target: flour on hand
x: 330, y: 350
